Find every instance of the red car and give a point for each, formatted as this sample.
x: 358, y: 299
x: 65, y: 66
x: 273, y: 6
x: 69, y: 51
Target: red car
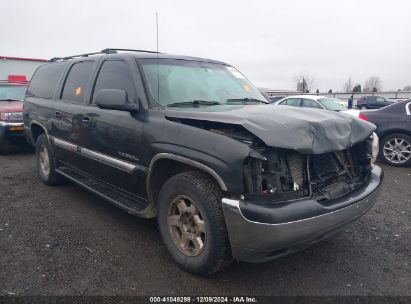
x: 11, y: 115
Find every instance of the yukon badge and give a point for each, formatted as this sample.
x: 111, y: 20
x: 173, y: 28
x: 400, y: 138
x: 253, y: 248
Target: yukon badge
x: 126, y: 155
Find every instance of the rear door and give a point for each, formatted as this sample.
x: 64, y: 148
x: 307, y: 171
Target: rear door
x: 68, y: 130
x: 114, y: 147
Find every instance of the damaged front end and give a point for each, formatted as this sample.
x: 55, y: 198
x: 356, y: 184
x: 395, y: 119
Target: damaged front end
x: 281, y: 174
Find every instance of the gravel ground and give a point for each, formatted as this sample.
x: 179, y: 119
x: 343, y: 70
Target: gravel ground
x: 65, y: 241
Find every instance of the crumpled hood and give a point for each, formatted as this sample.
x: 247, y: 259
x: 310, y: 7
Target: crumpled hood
x: 308, y: 131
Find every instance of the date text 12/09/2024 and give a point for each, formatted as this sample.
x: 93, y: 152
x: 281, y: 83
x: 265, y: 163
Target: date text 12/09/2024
x: 203, y: 299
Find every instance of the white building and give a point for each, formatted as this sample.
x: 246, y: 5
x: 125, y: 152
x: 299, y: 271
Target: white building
x: 17, y: 69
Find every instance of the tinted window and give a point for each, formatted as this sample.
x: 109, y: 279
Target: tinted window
x: 77, y: 81
x: 295, y: 102
x: 308, y: 103
x: 45, y: 79
x: 115, y: 74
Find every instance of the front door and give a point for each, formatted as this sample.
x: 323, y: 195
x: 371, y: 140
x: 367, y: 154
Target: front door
x: 114, y: 148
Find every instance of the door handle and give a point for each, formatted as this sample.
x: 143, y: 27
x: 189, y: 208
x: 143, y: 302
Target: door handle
x: 57, y: 114
x: 86, y: 121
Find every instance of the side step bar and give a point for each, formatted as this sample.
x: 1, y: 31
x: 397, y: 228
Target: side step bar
x: 130, y: 204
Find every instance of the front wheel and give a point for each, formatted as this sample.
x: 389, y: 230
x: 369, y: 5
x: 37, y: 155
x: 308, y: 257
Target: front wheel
x: 191, y: 223
x: 396, y: 149
x: 363, y: 107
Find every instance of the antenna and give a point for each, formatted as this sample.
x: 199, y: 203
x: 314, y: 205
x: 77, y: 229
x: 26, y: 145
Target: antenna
x: 158, y: 76
x: 157, y: 29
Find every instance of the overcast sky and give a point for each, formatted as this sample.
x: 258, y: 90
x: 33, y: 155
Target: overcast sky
x: 268, y: 41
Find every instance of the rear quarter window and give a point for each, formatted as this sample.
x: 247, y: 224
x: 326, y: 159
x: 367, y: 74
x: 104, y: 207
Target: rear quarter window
x: 45, y: 79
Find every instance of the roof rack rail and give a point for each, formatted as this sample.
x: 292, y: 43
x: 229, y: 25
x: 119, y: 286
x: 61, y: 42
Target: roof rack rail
x: 105, y: 51
x: 114, y: 50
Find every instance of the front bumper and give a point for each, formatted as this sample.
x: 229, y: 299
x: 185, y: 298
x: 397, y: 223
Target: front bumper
x: 269, y: 238
x: 11, y: 130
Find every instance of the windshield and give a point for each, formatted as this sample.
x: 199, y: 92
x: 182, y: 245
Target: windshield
x: 11, y: 92
x: 173, y: 81
x: 331, y: 104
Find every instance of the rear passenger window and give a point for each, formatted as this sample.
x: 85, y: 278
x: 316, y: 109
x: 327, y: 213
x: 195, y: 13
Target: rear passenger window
x: 308, y: 103
x: 44, y: 81
x: 295, y: 102
x: 115, y: 74
x: 77, y: 81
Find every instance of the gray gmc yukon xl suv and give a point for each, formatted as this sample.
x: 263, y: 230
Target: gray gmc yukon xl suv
x: 192, y: 142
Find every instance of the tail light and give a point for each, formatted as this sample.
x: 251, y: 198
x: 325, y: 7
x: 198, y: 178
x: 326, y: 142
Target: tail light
x: 362, y: 116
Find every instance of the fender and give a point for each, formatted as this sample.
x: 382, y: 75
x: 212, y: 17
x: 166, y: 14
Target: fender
x: 187, y: 161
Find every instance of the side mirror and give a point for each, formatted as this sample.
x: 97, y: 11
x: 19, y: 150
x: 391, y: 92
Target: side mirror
x: 113, y: 99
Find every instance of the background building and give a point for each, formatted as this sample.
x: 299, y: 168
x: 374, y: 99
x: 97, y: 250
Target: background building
x: 18, y: 69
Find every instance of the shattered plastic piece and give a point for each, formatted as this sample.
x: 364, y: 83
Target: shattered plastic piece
x: 91, y: 251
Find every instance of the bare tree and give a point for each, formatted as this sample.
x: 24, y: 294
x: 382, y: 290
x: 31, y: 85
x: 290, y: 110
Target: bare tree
x: 305, y: 82
x: 373, y: 84
x: 407, y: 88
x: 348, y: 85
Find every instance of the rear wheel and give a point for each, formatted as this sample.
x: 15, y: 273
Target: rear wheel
x: 46, y: 163
x: 191, y: 223
x: 396, y: 149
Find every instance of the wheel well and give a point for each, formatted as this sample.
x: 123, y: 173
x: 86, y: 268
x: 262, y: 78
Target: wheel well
x: 163, y: 170
x: 394, y: 131
x: 36, y: 131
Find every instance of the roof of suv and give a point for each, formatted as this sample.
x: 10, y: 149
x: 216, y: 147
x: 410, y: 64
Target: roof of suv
x: 140, y: 54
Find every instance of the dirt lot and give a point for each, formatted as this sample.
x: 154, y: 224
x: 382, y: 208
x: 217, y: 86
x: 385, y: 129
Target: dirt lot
x: 66, y: 241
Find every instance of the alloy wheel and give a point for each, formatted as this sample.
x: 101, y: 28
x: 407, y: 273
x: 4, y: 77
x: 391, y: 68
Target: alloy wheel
x: 187, y: 226
x: 397, y: 150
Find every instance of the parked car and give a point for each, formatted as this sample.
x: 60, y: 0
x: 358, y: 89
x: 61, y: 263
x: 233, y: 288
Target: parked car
x: 317, y: 102
x: 11, y: 115
x: 373, y: 102
x: 192, y: 142
x: 394, y: 130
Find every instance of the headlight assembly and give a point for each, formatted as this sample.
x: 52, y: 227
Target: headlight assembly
x: 11, y: 116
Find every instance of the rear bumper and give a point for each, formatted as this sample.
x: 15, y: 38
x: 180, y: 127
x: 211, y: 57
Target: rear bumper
x: 11, y: 130
x: 259, y: 241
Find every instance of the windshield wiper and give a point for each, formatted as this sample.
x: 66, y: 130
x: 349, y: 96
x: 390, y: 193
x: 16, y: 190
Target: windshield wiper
x: 10, y: 99
x: 195, y: 102
x: 246, y: 100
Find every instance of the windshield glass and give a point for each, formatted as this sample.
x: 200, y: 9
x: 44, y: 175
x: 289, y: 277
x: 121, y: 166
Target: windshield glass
x: 173, y: 81
x: 331, y: 104
x: 12, y: 92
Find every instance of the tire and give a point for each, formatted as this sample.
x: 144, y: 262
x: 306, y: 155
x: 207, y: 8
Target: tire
x: 44, y: 155
x: 187, y: 189
x: 392, y: 149
x: 363, y: 107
